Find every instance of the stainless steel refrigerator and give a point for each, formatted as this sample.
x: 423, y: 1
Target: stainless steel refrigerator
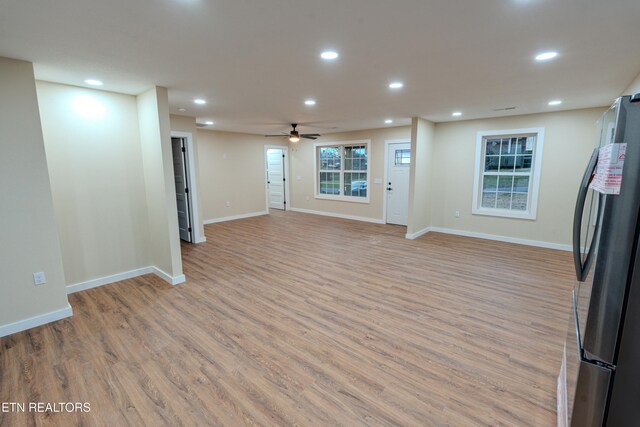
x: 599, y: 382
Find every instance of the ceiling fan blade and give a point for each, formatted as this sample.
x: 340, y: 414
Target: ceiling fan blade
x: 308, y: 136
x: 281, y: 136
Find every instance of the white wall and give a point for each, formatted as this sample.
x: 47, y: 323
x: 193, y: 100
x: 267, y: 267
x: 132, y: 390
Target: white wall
x: 29, y: 236
x: 302, y: 166
x: 157, y: 162
x: 95, y: 164
x: 232, y: 169
x: 570, y: 137
x: 421, y: 176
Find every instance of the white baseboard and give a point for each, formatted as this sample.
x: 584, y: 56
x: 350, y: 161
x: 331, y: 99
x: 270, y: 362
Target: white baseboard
x: 417, y: 234
x: 506, y: 239
x: 234, y: 217
x: 32, y: 322
x: 201, y: 240
x: 172, y: 280
x: 337, y: 215
x: 94, y: 283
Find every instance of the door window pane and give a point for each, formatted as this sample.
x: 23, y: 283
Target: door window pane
x: 403, y: 157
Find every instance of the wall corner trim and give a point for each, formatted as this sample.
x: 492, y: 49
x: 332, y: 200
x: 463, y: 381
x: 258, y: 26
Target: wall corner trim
x: 39, y: 320
x: 412, y: 236
x: 234, y: 217
x: 172, y: 280
x: 337, y: 215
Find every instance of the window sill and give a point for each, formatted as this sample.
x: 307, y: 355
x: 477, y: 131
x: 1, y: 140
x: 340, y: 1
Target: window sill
x: 503, y: 213
x: 342, y: 198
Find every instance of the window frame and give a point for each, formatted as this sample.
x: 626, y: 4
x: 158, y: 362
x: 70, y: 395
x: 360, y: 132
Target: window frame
x: 316, y: 170
x: 534, y: 180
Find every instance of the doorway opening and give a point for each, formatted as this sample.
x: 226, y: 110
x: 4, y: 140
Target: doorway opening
x: 276, y: 174
x: 396, y: 179
x: 185, y: 184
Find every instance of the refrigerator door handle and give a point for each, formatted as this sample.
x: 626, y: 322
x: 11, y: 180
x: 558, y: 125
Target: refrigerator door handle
x: 582, y: 268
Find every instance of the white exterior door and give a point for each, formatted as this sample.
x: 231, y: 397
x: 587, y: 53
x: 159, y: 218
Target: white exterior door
x: 276, y: 179
x: 397, y: 185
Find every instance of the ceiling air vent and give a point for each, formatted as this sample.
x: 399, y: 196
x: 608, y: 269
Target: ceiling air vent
x: 504, y: 109
x: 200, y: 125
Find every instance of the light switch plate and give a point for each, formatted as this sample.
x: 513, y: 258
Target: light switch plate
x: 377, y: 180
x: 39, y: 278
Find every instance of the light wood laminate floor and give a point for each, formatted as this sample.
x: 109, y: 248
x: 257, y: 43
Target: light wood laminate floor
x: 295, y: 319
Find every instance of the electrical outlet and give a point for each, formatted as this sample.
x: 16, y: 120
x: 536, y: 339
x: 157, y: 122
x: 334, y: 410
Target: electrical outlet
x: 228, y: 204
x: 298, y: 177
x: 308, y: 198
x: 39, y: 278
x: 457, y: 214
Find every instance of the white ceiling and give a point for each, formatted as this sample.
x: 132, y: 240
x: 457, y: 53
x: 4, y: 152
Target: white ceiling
x: 256, y: 61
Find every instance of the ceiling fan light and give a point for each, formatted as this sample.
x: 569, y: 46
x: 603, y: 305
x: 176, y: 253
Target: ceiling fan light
x: 294, y: 138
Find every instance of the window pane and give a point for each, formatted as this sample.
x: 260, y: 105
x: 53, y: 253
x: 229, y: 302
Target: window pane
x: 492, y: 147
x: 355, y: 184
x: 508, y: 146
x: 489, y: 200
x: 355, y: 157
x: 523, y: 163
x: 491, y: 163
x: 523, y: 147
x: 506, y: 163
x: 490, y: 183
x: 330, y: 183
x: 504, y: 201
x: 505, y: 183
x: 519, y: 202
x: 329, y: 158
x: 348, y: 164
x: 521, y: 184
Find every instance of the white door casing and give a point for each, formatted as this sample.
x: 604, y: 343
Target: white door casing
x: 275, y: 168
x: 398, y: 159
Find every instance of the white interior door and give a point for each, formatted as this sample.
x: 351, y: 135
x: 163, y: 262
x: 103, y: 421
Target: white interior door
x: 276, y: 179
x: 182, y: 187
x: 397, y: 185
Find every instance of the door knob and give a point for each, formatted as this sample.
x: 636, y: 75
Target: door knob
x: 389, y: 188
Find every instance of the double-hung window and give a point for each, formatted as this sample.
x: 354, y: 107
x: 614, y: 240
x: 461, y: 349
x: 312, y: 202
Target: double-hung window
x: 507, y: 173
x: 342, y: 171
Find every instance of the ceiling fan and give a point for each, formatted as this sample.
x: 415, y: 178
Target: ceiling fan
x: 294, y: 135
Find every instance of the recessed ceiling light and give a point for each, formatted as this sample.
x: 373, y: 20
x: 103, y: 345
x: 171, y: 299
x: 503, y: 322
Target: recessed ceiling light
x: 555, y: 102
x: 310, y: 102
x: 208, y: 123
x: 456, y: 114
x: 200, y: 101
x: 545, y: 56
x: 329, y: 55
x: 93, y: 82
x: 388, y: 121
x: 396, y: 85
x: 182, y: 110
